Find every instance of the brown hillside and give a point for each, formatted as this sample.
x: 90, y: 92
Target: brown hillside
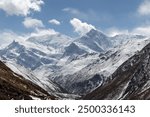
x: 14, y: 86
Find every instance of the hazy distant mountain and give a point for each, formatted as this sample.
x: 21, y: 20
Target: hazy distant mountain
x: 123, y: 38
x: 56, y: 41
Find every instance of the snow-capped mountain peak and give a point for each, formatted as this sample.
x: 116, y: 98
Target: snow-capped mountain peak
x: 93, y: 41
x: 55, y: 40
x: 77, y: 65
x: 93, y: 33
x: 123, y: 38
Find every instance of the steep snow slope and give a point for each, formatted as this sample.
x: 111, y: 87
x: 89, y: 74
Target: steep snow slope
x: 93, y: 41
x: 123, y: 38
x: 27, y: 54
x: 47, y: 50
x: 56, y: 41
x: 73, y: 49
x: 45, y: 83
x: 129, y: 81
x: 80, y: 76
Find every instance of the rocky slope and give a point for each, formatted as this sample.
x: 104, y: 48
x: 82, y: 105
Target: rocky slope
x: 15, y: 87
x: 84, y: 73
x: 94, y: 41
x: 130, y: 81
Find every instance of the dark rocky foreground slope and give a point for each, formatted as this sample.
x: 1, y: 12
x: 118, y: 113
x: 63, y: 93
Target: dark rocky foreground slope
x: 130, y: 81
x: 14, y: 86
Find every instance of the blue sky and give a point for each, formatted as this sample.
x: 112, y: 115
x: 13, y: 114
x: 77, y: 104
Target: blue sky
x: 109, y: 16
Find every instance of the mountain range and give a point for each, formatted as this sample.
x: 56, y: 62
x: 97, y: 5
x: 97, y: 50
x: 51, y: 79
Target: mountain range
x: 94, y: 66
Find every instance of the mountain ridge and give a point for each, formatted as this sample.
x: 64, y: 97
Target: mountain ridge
x: 77, y: 66
x: 133, y: 83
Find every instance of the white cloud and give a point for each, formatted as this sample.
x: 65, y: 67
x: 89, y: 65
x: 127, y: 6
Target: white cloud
x: 32, y: 23
x: 86, y: 15
x: 54, y: 21
x: 81, y: 27
x: 73, y: 11
x: 144, y: 8
x: 142, y: 30
x: 8, y: 36
x: 20, y: 7
x: 42, y: 32
x: 115, y: 31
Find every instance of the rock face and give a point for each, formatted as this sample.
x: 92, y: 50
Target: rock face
x: 29, y: 57
x: 73, y: 49
x: 94, y: 41
x: 14, y: 86
x: 130, y: 81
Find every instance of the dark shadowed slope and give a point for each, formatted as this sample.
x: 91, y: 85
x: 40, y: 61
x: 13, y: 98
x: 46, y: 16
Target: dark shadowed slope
x: 14, y: 86
x: 130, y: 81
